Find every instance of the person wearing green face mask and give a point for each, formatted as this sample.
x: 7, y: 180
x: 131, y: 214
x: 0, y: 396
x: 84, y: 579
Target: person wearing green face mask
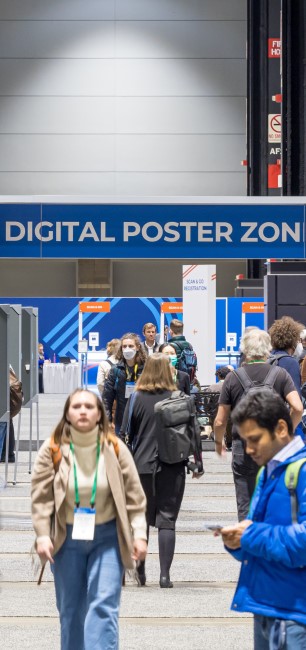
x: 180, y: 378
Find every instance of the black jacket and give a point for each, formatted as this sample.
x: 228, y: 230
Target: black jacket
x: 183, y: 381
x: 142, y: 429
x: 114, y: 389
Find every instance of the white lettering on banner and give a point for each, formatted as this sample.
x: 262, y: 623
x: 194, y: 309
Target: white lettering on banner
x: 202, y: 231
x: 251, y: 227
x: 8, y: 231
x: 174, y: 233
x: 153, y: 231
x: 223, y: 230
x: 70, y: 225
x: 156, y: 226
x: 286, y: 232
x: 130, y: 229
x: 38, y: 229
x: 187, y: 225
x: 88, y: 231
x: 103, y: 236
x: 58, y: 231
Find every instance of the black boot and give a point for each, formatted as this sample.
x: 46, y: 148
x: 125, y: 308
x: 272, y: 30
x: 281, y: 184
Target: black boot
x: 165, y: 582
x: 141, y: 574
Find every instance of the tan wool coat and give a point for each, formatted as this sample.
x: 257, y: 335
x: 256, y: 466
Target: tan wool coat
x: 49, y: 491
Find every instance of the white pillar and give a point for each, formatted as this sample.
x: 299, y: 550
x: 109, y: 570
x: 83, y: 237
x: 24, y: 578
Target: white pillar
x: 199, y: 300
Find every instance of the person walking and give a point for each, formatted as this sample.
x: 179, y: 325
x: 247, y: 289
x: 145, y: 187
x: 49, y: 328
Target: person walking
x: 271, y: 542
x: 122, y: 378
x: 180, y: 378
x: 163, y: 484
x: 285, y: 336
x: 256, y: 347
x: 112, y: 348
x: 88, y: 512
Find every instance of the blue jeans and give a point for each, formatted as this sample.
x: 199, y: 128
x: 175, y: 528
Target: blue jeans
x: 277, y: 634
x: 3, y: 427
x: 88, y: 580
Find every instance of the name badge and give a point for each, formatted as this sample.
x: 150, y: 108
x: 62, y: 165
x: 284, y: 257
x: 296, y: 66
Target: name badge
x: 129, y: 388
x: 84, y: 524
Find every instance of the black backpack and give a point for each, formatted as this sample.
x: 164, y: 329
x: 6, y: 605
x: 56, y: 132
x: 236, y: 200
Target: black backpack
x: 249, y: 385
x: 188, y: 361
x: 177, y: 430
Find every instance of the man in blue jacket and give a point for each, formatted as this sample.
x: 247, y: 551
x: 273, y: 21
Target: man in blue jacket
x: 271, y: 542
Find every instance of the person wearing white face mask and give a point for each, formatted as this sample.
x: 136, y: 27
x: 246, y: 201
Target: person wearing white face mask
x: 180, y: 378
x: 121, y: 380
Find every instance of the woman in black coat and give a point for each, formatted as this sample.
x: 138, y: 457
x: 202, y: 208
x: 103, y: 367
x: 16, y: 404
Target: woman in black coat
x: 122, y: 378
x: 180, y: 378
x: 163, y: 484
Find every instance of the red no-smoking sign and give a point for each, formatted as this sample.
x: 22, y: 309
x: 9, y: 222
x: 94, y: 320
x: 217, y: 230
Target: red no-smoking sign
x: 274, y: 127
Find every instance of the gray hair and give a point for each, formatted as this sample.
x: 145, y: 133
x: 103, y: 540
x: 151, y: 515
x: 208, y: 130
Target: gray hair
x: 256, y: 344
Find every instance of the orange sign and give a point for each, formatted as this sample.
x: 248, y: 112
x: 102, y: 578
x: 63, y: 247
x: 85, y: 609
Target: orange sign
x: 171, y: 307
x: 253, y: 307
x: 95, y: 307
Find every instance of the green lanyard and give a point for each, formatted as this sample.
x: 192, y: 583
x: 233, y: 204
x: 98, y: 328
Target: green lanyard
x: 76, y: 486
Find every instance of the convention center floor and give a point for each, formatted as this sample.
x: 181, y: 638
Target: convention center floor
x: 194, y: 614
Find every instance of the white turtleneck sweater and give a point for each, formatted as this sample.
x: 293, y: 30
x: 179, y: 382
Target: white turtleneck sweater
x: 85, y: 455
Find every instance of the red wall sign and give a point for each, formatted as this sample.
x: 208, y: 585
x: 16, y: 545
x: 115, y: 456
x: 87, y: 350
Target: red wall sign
x: 274, y: 48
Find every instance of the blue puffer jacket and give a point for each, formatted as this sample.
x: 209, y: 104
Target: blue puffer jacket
x: 272, y: 579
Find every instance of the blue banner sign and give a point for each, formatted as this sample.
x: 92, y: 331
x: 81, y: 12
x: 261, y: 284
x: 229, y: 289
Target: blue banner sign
x: 169, y: 231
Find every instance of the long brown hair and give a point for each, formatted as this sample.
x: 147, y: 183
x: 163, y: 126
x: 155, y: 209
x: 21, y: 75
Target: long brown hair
x: 156, y: 375
x: 62, y: 429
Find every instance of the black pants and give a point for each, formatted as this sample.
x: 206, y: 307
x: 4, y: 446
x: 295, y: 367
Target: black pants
x: 163, y: 507
x: 245, y: 471
x: 40, y: 379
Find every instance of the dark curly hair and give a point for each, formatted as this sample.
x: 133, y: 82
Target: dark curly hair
x: 285, y: 333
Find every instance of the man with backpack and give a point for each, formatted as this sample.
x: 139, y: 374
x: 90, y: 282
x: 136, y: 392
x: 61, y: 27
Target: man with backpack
x: 252, y: 376
x: 271, y: 542
x: 186, y: 356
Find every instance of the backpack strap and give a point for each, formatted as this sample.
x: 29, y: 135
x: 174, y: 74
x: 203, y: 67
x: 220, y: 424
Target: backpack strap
x: 247, y: 383
x: 291, y: 481
x: 55, y: 452
x: 243, y: 378
x: 271, y: 376
x: 111, y: 437
x: 259, y: 473
x: 177, y: 393
x: 274, y: 358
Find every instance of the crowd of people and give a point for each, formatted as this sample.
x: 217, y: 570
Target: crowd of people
x: 100, y: 481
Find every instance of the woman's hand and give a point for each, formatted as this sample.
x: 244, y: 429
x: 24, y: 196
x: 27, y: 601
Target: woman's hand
x: 139, y: 550
x: 45, y: 548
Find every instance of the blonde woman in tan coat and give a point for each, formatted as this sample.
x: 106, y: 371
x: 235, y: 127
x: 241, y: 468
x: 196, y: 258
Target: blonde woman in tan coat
x: 88, y: 511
